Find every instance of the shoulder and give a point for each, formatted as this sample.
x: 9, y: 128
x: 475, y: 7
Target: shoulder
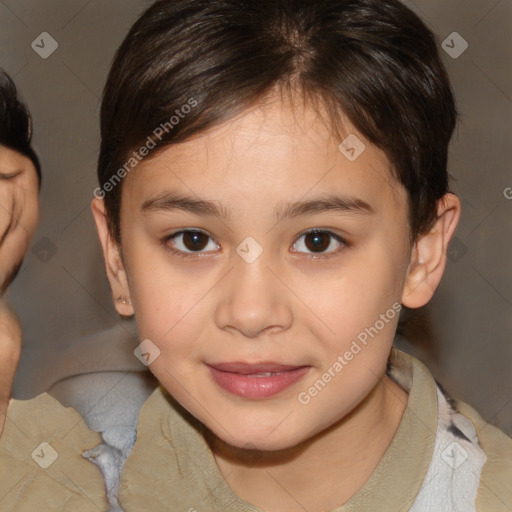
x: 41, y: 463
x: 495, y: 490
x: 170, y: 463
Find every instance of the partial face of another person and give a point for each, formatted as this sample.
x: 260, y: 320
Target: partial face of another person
x: 19, y: 208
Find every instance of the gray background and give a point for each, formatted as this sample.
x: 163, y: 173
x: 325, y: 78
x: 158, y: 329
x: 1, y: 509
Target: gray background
x: 62, y: 295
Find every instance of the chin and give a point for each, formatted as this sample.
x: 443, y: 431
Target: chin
x: 258, y: 444
x: 246, y: 436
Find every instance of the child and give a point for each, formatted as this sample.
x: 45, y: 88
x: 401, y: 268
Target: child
x: 272, y: 191
x: 20, y: 181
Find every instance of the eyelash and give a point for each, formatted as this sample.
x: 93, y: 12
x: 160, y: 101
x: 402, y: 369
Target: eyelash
x: 9, y: 176
x: 177, y: 252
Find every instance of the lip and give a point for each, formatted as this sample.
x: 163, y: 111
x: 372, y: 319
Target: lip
x: 252, y: 380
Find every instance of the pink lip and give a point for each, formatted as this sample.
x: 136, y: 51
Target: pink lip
x: 242, y: 378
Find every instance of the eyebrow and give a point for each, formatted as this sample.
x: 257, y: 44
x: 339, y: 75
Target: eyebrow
x: 287, y: 210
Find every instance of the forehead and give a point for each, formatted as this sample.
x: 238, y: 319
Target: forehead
x: 271, y: 152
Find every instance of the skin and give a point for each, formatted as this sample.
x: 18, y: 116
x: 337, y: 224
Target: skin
x: 288, y: 306
x: 19, y: 209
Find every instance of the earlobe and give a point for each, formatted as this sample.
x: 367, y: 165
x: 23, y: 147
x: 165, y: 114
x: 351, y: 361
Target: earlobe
x: 428, y: 256
x: 114, y: 265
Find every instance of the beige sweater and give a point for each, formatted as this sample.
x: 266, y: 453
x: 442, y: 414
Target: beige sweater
x: 171, y: 468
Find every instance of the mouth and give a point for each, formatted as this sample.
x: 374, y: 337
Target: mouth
x: 256, y: 381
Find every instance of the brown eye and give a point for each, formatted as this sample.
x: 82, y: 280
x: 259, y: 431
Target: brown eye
x: 190, y: 241
x: 195, y: 240
x: 318, y: 242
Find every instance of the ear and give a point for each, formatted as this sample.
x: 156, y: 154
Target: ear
x: 114, y: 265
x: 428, y: 256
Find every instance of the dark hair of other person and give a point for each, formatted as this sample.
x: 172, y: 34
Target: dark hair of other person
x: 16, y: 122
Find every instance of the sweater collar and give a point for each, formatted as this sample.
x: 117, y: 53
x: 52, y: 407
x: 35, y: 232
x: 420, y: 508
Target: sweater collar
x: 171, y: 466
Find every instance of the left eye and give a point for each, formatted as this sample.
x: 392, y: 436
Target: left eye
x: 191, y: 241
x: 9, y: 176
x: 318, y: 241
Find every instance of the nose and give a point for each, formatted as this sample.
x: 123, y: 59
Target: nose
x: 253, y: 300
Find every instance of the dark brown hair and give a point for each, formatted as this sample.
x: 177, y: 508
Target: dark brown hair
x: 15, y: 122
x: 373, y: 61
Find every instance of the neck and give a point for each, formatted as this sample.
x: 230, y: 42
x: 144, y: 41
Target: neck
x: 323, y: 472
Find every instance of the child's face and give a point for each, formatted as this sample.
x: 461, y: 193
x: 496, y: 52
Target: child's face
x: 283, y: 307
x: 19, y: 208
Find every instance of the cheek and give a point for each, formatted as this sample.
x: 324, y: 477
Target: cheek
x: 161, y: 311
x: 356, y: 295
x: 163, y: 319
x: 168, y: 305
x: 27, y: 198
